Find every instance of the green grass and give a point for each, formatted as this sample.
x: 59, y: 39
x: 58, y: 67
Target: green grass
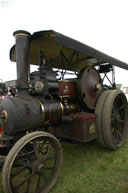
x: 89, y: 168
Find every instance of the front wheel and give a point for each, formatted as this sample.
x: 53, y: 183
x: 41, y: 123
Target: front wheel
x: 33, y: 164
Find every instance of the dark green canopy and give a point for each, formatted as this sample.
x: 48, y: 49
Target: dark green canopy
x: 65, y: 53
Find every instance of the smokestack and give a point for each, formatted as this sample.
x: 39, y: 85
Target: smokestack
x: 22, y: 58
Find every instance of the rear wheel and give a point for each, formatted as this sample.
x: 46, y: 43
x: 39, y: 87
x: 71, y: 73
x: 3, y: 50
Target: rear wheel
x: 98, y: 112
x: 33, y: 164
x: 112, y: 120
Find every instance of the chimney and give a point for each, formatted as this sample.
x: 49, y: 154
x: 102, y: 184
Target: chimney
x: 22, y: 58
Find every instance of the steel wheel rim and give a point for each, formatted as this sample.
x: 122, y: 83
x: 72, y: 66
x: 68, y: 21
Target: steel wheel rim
x: 34, y: 166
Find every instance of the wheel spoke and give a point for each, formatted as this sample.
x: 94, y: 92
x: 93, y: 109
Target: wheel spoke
x: 26, y: 152
x: 116, y: 110
x: 24, y: 181
x: 120, y: 108
x: 49, y: 158
x: 122, y: 121
x: 42, y: 145
x: 28, y: 186
x: 117, y: 100
x: 36, y: 149
x: 18, y: 172
x: 44, y: 176
x: 113, y: 110
x: 47, y: 154
x: 26, y: 163
x: 45, y: 149
x: 119, y: 134
x: 116, y: 126
x: 38, y: 184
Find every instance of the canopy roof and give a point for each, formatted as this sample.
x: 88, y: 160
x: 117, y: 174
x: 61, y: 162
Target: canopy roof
x: 65, y: 53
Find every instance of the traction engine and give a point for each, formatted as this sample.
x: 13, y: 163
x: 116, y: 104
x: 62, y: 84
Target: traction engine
x: 42, y: 100
x: 46, y: 106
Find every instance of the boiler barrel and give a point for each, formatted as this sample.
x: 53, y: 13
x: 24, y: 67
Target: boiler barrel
x: 20, y: 114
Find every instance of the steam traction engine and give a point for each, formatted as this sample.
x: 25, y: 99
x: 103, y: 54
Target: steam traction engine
x: 65, y: 98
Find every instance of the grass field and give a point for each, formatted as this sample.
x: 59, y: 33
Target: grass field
x: 89, y: 168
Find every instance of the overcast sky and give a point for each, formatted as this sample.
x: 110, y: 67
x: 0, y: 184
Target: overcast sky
x: 102, y: 24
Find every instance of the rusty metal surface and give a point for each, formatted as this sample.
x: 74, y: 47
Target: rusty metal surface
x: 89, y: 87
x: 78, y: 127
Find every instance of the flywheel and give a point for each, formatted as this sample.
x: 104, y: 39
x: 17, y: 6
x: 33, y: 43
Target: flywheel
x: 89, y: 87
